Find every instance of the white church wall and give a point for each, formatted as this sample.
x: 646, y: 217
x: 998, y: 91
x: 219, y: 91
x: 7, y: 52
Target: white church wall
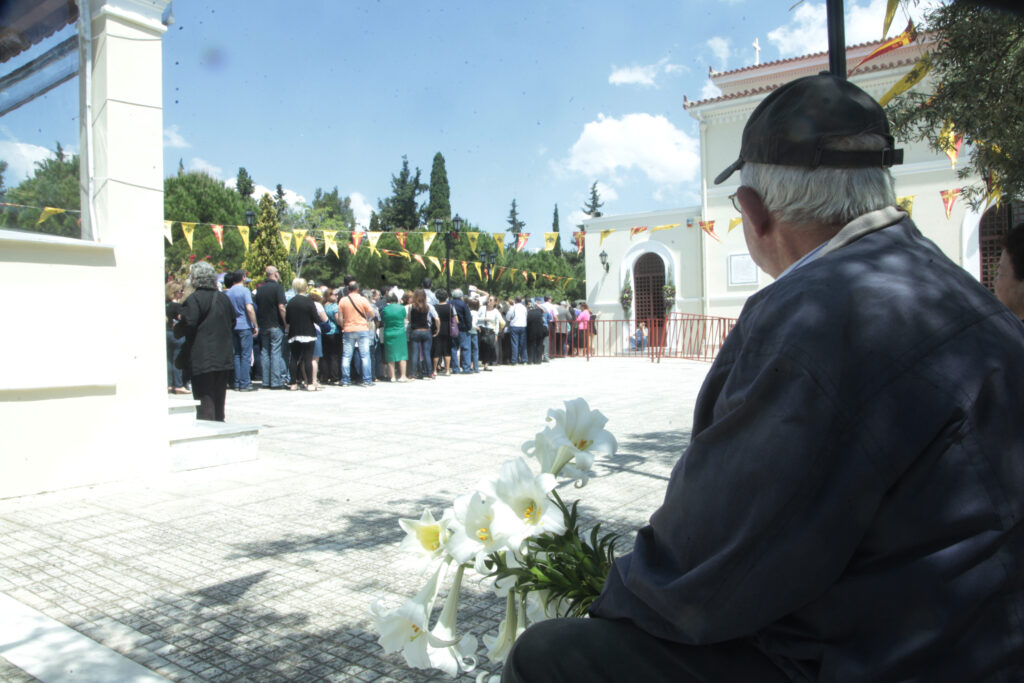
x: 83, y: 399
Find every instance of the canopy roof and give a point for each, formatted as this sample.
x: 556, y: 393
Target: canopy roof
x: 23, y: 23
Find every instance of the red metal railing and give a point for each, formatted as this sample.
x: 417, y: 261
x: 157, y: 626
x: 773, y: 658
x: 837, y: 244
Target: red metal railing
x: 678, y: 335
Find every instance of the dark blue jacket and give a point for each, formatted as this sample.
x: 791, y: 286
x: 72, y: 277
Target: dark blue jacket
x: 852, y: 499
x: 465, y: 319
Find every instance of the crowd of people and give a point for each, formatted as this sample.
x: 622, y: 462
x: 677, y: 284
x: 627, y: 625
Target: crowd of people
x: 227, y: 332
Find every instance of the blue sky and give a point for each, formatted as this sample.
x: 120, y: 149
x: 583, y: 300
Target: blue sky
x: 531, y: 100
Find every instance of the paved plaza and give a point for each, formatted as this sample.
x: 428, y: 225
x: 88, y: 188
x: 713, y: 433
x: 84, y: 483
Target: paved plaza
x: 264, y: 570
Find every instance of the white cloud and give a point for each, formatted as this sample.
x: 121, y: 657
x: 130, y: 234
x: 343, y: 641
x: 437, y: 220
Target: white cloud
x: 199, y: 164
x: 650, y: 144
x: 709, y: 90
x: 361, y: 208
x: 173, y: 138
x: 634, y: 75
x: 21, y: 158
x: 607, y: 192
x: 576, y: 218
x: 643, y: 75
x: 806, y: 31
x: 719, y: 47
x: 291, y: 197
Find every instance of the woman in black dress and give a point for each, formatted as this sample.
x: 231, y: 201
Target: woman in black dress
x: 441, y: 348
x: 302, y: 318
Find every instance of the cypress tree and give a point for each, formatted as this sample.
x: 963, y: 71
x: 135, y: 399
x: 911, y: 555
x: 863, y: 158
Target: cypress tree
x: 440, y: 205
x: 515, y: 226
x: 265, y: 245
x: 594, y: 204
x: 554, y: 228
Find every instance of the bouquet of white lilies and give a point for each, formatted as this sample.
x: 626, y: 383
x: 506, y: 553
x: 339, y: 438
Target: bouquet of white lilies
x: 516, y: 531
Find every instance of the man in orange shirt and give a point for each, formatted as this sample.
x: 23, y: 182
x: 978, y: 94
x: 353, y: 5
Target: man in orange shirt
x: 354, y: 315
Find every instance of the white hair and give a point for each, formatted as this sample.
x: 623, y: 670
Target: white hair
x: 823, y: 196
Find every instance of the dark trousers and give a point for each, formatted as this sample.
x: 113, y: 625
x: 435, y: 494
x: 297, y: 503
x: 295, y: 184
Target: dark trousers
x: 210, y: 389
x: 302, y: 357
x: 594, y: 650
x: 536, y: 345
x: 330, y: 364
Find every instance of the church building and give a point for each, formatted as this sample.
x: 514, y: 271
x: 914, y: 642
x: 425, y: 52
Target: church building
x: 695, y: 260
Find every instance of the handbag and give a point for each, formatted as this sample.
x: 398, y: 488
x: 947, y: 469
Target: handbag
x: 453, y: 323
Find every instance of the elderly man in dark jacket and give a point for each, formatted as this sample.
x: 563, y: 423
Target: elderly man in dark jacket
x: 207, y: 322
x: 851, y: 505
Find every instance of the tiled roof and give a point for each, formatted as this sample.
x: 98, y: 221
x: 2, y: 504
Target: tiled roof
x: 867, y: 68
x: 23, y: 23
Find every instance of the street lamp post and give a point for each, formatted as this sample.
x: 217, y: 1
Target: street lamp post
x: 438, y: 228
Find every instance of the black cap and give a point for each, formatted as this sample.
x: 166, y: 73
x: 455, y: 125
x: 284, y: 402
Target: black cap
x: 792, y: 126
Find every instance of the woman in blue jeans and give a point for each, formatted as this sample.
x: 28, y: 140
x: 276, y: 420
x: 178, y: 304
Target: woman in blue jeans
x: 420, y: 315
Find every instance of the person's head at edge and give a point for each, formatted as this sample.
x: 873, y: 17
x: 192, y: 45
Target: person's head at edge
x: 1009, y: 283
x: 814, y: 156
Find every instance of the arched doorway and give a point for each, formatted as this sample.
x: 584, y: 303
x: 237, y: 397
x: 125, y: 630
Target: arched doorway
x: 995, y: 223
x: 648, y: 288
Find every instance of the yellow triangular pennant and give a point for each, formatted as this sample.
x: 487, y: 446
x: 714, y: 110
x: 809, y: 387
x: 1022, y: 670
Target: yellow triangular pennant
x: 371, y: 239
x: 436, y: 262
x: 286, y: 237
x: 188, y: 229
x: 910, y: 79
x: 604, y: 233
x: 299, y: 235
x: 479, y: 273
x: 733, y: 222
x: 47, y: 212
x: 473, y: 236
x: 665, y: 227
x: 499, y: 242
x: 167, y: 231
x: 906, y: 204
x: 428, y: 239
x: 243, y: 230
x: 550, y: 238
x: 330, y: 244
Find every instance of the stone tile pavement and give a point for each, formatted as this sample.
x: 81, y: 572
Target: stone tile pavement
x: 264, y: 570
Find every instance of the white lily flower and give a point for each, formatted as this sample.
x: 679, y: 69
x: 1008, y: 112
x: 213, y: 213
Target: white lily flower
x: 426, y: 536
x: 449, y: 658
x: 404, y: 628
x: 510, y: 628
x: 526, y: 495
x: 585, y: 432
x: 550, y: 448
x: 477, y: 527
x: 536, y: 610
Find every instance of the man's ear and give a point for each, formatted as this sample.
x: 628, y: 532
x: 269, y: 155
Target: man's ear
x: 754, y: 211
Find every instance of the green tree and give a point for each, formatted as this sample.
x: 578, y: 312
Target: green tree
x: 54, y: 183
x: 244, y: 184
x: 279, y: 202
x: 554, y: 228
x: 593, y: 206
x: 196, y: 197
x: 266, y: 247
x: 401, y: 211
x: 335, y: 206
x: 3, y: 169
x: 515, y: 226
x: 440, y: 203
x: 978, y: 88
x: 318, y: 264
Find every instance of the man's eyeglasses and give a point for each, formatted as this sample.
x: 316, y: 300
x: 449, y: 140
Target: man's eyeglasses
x: 735, y: 204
